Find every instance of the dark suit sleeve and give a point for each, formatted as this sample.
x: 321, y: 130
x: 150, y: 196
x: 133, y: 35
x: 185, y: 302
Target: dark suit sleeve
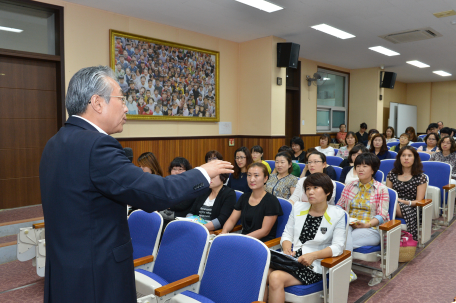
x: 114, y: 176
x: 229, y: 199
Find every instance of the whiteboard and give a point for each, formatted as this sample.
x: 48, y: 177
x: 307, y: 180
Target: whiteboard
x: 406, y: 116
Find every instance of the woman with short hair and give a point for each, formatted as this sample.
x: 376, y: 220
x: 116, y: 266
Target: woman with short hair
x: 257, y: 156
x: 340, y: 136
x: 324, y: 147
x: 404, y: 141
x: 349, y: 174
x: 212, y: 155
x: 283, y: 183
x: 299, y: 155
x: 447, y: 154
x: 350, y: 141
x: 431, y: 141
x: 317, y: 163
x: 314, y: 231
x: 410, y: 183
x: 361, y: 135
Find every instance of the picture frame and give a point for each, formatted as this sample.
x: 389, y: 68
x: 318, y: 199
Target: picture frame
x: 184, y: 79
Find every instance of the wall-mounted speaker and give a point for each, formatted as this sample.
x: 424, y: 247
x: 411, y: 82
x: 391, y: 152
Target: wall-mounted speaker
x: 287, y: 54
x: 388, y: 79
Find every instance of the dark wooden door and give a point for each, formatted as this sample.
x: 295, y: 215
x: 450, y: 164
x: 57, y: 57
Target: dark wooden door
x: 28, y: 119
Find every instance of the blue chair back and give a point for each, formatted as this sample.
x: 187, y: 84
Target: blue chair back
x: 418, y: 144
x: 238, y: 194
x: 386, y: 166
x: 301, y: 166
x: 393, y: 154
x: 271, y: 164
x: 439, y: 174
x: 235, y: 269
x: 338, y: 172
x: 392, y: 203
x: 422, y: 136
x: 379, y: 176
x: 145, y: 231
x: 391, y: 144
x: 282, y: 220
x: 339, y: 189
x: 336, y: 150
x: 333, y: 160
x: 424, y: 156
x: 182, y: 250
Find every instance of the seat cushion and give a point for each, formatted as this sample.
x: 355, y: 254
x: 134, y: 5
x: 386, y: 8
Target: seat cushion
x: 190, y: 297
x: 368, y: 249
x: 401, y: 219
x: 302, y: 290
x: 152, y: 276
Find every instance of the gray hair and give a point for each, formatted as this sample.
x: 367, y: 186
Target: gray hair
x: 84, y: 84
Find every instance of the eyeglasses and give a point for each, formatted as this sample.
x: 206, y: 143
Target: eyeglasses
x: 122, y: 98
x: 240, y: 158
x: 314, y: 162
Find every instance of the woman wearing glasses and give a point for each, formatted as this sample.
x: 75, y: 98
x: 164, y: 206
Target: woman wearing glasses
x: 431, y: 141
x: 238, y: 180
x: 317, y: 164
x: 283, y: 183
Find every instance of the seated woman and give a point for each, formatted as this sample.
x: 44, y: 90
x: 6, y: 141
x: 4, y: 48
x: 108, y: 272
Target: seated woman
x: 238, y: 180
x: 299, y: 155
x: 216, y: 205
x: 257, y: 156
x: 431, y: 141
x: 349, y: 173
x: 212, y: 155
x: 296, y: 170
x: 361, y: 135
x: 283, y: 183
x: 412, y: 134
x: 350, y: 141
x: 178, y: 166
x: 257, y: 209
x: 408, y: 180
x: 371, y: 134
x: 340, y: 136
x: 303, y: 238
x: 324, y: 147
x: 367, y: 201
x: 403, y: 142
x: 389, y: 135
x: 447, y: 154
x: 149, y: 164
x: 379, y: 147
x: 317, y: 163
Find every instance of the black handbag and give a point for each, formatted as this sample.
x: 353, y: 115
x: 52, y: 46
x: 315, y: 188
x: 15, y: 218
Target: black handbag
x: 283, y: 262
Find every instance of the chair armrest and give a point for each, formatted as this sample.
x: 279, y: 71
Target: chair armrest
x: 423, y: 202
x: 331, y: 262
x: 273, y: 242
x: 219, y: 231
x: 38, y: 225
x: 258, y: 302
x: 143, y: 260
x: 390, y: 225
x: 448, y: 186
x: 172, y: 287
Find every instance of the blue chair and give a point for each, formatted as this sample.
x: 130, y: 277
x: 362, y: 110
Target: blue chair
x: 182, y: 253
x: 282, y: 220
x: 338, y: 172
x: 301, y: 166
x: 440, y: 189
x: 418, y: 144
x: 271, y: 164
x: 424, y: 156
x: 386, y: 166
x: 145, y: 231
x: 389, y: 258
x: 238, y: 194
x: 379, y: 176
x: 422, y: 136
x: 333, y: 160
x: 336, y: 150
x: 393, y: 154
x: 391, y: 144
x: 339, y: 189
x: 227, y: 277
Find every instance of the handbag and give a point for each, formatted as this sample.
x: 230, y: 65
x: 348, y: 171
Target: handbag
x: 280, y: 261
x: 407, y: 247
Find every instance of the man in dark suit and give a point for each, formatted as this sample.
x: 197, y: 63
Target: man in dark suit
x: 86, y: 183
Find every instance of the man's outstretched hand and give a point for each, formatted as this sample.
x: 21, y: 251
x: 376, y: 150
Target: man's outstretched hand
x: 217, y: 167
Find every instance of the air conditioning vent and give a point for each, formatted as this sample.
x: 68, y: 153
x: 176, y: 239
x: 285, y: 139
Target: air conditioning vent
x: 412, y: 35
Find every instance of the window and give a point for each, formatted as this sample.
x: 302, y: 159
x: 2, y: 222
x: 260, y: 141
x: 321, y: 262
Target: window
x: 332, y: 97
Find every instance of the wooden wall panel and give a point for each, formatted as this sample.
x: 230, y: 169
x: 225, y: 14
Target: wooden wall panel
x: 19, y: 192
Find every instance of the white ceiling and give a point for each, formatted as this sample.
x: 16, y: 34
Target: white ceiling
x: 366, y: 19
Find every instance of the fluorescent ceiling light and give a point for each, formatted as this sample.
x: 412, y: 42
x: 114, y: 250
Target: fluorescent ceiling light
x: 418, y: 63
x: 332, y: 31
x: 441, y: 73
x: 262, y: 5
x: 384, y: 51
x: 10, y: 29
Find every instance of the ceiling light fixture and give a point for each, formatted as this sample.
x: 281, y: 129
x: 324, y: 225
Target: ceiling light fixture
x: 384, y: 51
x: 418, y: 64
x: 262, y: 5
x: 441, y: 73
x: 333, y: 31
x: 10, y: 29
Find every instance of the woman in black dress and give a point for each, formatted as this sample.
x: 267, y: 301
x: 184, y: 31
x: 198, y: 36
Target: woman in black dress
x: 362, y: 136
x: 408, y: 180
